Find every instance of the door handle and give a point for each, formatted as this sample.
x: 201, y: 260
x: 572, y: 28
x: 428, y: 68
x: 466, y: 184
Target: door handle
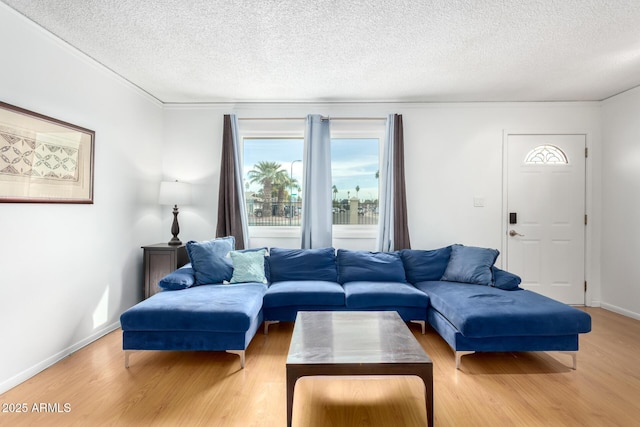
x: 514, y: 233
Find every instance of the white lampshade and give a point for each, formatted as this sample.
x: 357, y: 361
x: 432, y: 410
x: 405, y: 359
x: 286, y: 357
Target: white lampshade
x: 174, y: 193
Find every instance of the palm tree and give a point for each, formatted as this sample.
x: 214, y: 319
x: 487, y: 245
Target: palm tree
x: 265, y: 173
x: 335, y: 192
x: 357, y: 192
x: 282, y: 183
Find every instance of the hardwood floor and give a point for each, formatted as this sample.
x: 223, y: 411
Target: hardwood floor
x: 92, y: 387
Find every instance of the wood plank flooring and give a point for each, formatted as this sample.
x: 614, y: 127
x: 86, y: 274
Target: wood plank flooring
x: 92, y: 387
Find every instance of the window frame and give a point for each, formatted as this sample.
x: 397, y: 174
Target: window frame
x: 295, y: 129
x: 270, y: 129
x: 359, y: 129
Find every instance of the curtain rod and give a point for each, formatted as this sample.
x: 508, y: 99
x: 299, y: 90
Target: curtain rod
x: 304, y: 118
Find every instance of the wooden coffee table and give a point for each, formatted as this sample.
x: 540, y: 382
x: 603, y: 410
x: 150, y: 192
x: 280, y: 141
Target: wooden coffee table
x: 355, y: 343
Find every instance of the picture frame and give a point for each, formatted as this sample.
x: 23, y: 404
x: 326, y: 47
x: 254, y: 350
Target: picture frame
x: 44, y: 160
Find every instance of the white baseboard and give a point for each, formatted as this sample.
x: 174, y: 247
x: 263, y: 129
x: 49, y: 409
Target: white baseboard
x: 39, y: 367
x: 620, y: 310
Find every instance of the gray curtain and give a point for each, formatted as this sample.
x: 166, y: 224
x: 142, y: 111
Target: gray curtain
x: 393, y: 229
x: 316, y: 192
x: 232, y: 216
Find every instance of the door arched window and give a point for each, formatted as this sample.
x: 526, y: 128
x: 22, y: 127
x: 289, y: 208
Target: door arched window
x: 546, y: 155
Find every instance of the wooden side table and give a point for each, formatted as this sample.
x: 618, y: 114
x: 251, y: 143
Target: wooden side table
x: 161, y: 259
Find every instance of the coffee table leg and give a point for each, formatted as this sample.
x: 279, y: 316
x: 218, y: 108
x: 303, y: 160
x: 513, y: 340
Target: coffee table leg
x: 427, y: 378
x: 429, y: 399
x: 292, y: 377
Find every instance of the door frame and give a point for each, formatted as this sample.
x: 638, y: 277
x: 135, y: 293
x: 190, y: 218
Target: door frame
x: 588, y: 294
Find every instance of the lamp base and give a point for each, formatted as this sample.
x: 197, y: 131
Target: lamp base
x: 175, y: 228
x: 174, y: 242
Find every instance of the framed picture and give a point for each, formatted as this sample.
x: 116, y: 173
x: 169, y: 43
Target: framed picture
x: 44, y: 160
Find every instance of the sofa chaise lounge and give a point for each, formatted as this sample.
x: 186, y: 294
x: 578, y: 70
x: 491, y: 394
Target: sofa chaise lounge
x: 476, y: 307
x: 219, y: 300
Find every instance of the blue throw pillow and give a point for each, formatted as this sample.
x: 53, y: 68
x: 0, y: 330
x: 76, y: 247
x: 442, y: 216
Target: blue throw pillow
x: 356, y: 266
x: 181, y: 278
x: 248, y: 266
x: 470, y: 264
x: 208, y: 260
x: 505, y: 280
x: 423, y: 266
x: 302, y: 264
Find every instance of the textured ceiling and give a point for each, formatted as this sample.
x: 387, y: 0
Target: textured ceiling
x: 340, y: 50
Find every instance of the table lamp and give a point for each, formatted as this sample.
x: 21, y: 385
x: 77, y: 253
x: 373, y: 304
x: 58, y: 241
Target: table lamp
x: 175, y: 193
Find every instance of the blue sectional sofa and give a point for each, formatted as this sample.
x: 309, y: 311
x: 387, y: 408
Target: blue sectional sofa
x: 219, y: 300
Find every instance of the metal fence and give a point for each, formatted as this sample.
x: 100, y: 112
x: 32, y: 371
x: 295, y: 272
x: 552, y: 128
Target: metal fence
x: 290, y: 214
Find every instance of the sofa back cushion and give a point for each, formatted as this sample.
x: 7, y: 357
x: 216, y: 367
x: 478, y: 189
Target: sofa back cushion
x: 303, y: 264
x: 423, y: 265
x: 355, y: 266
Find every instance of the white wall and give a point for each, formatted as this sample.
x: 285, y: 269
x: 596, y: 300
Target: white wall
x: 68, y: 271
x: 621, y: 204
x: 453, y: 153
x: 192, y: 150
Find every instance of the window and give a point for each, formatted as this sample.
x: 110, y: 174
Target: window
x: 546, y: 155
x: 272, y: 153
x: 355, y: 166
x: 272, y: 169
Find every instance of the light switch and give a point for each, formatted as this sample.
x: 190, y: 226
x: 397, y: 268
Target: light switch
x: 478, y: 202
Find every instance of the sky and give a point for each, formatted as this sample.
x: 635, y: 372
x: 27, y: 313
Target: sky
x: 354, y: 162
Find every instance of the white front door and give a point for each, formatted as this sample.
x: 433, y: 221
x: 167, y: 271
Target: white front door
x: 546, y: 214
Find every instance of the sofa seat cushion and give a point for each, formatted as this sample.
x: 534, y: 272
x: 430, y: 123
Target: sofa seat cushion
x: 304, y: 292
x: 482, y: 311
x: 216, y: 308
x: 383, y: 294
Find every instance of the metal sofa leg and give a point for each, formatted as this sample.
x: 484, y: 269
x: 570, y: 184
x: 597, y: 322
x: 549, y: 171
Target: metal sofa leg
x: 267, y: 323
x: 239, y: 353
x: 421, y: 323
x: 574, y: 357
x: 127, y: 353
x: 459, y: 355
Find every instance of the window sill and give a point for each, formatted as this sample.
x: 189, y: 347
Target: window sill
x: 355, y: 231
x: 339, y: 232
x: 276, y: 231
